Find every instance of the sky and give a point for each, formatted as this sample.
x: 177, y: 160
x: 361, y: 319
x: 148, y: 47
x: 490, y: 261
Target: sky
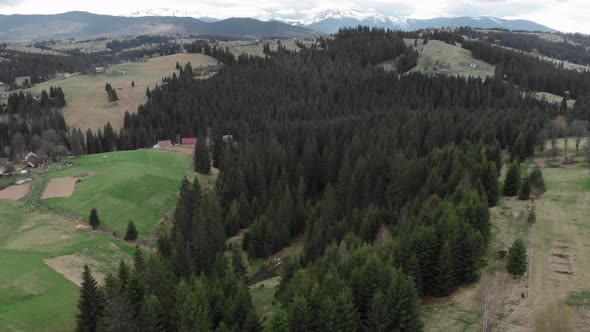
x: 563, y: 15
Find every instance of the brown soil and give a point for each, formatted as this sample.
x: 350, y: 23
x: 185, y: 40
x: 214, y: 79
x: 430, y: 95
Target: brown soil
x: 185, y: 151
x: 62, y: 187
x: 15, y: 193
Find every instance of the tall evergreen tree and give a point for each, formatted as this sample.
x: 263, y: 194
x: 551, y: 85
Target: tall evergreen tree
x: 131, y: 233
x: 490, y: 183
x: 512, y: 180
x: 445, y: 282
x: 90, y: 303
x: 202, y: 159
x: 517, y: 263
x: 94, y: 220
x: 525, y: 189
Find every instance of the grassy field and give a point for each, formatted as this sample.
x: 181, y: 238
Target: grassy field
x: 554, y: 98
x: 87, y: 104
x: 251, y: 47
x: 33, y: 296
x: 129, y: 185
x: 437, y: 57
x: 555, y: 294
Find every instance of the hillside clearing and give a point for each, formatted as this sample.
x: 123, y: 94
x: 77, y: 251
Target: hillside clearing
x: 130, y: 185
x: 438, y: 57
x: 87, y: 104
x: 554, y: 98
x: 558, y: 273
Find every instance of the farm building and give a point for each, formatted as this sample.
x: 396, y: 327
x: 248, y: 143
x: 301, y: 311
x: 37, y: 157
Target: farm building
x: 22, y: 81
x: 31, y: 160
x: 99, y: 70
x: 188, y: 141
x: 161, y: 144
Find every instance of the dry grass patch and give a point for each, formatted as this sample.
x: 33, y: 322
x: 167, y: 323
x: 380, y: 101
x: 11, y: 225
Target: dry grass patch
x: 87, y: 104
x: 70, y: 266
x: 62, y: 187
x: 15, y: 193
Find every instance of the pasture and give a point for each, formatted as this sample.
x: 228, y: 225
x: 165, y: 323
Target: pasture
x: 34, y: 296
x: 130, y: 185
x: 553, y: 98
x: 87, y: 103
x: 438, y: 57
x: 555, y: 290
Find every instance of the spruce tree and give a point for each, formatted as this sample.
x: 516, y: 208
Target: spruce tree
x: 94, y: 220
x: 517, y: 263
x: 131, y: 233
x: 537, y: 181
x: 138, y: 260
x: 525, y: 189
x: 490, y: 184
x: 90, y: 303
x: 299, y: 315
x: 279, y: 321
x: 445, y: 282
x: 512, y: 180
x: 202, y: 159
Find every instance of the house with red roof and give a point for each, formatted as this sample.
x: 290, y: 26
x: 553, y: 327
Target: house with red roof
x: 188, y: 141
x: 161, y: 144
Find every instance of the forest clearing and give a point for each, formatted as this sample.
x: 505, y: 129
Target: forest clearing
x: 87, y: 104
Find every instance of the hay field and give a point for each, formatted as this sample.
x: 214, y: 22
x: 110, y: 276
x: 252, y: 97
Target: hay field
x: 437, y: 57
x: 130, y: 185
x: 87, y: 104
x: 33, y: 296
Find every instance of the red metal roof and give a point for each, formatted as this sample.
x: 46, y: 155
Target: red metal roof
x: 165, y: 143
x: 188, y: 141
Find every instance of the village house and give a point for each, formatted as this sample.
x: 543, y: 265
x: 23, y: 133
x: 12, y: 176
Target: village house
x: 162, y: 144
x: 32, y: 160
x: 188, y: 141
x: 22, y: 81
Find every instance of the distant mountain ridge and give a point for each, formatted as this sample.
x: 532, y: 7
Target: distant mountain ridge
x: 170, y: 21
x: 84, y: 24
x: 330, y: 20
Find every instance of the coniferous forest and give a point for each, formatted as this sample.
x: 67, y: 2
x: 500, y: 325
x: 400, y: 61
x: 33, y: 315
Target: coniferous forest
x: 328, y: 147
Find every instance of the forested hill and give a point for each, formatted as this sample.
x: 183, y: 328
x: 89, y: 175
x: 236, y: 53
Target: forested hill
x: 329, y: 146
x: 83, y: 24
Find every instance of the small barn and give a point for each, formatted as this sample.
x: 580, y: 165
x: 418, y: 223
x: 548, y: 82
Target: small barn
x: 163, y: 144
x: 22, y: 81
x: 31, y: 160
x: 188, y: 141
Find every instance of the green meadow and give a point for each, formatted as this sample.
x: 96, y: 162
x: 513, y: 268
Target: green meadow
x: 33, y: 296
x: 131, y: 185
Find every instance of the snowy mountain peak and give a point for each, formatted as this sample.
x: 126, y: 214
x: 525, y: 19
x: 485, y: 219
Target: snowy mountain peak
x: 339, y: 14
x: 165, y: 12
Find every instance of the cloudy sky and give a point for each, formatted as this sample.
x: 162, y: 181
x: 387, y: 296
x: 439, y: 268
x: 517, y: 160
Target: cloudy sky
x: 564, y: 15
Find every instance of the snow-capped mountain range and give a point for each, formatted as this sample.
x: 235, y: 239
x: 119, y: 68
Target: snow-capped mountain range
x: 330, y: 20
x: 170, y: 12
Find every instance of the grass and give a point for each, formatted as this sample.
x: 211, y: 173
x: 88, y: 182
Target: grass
x: 87, y: 104
x: 34, y: 297
x: 130, y: 185
x: 553, y: 98
x: 437, y: 57
x: 579, y: 299
x: 262, y: 295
